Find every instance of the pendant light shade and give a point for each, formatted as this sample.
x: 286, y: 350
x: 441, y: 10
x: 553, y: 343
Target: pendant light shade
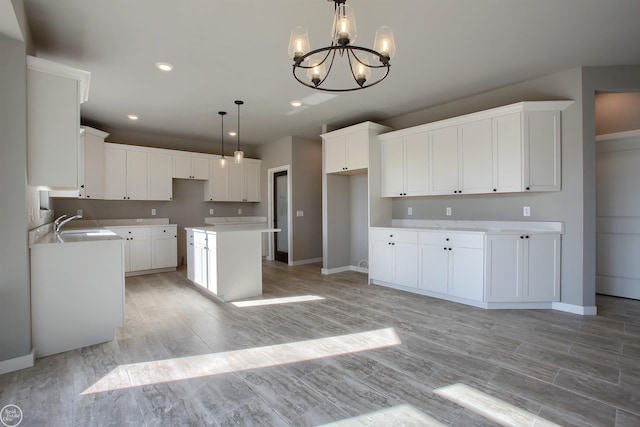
x: 238, y: 155
x: 223, y: 160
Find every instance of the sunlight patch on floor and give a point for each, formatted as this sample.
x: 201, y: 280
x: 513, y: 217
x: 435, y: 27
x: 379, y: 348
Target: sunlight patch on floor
x: 273, y: 301
x: 491, y: 407
x: 400, y: 415
x: 161, y: 371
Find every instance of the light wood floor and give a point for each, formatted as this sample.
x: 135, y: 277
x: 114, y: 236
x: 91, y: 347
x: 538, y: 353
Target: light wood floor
x: 341, y: 350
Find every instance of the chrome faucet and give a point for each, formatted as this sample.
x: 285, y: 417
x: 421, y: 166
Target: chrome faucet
x: 58, y: 223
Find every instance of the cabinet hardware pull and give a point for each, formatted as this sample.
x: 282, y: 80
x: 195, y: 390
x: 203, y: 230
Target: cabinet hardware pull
x: 449, y: 248
x: 522, y: 237
x: 527, y: 188
x: 447, y: 239
x: 526, y: 237
x: 495, y: 189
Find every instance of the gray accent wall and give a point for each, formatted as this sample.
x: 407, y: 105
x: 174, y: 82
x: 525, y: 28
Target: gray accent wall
x: 15, y: 309
x: 358, y: 219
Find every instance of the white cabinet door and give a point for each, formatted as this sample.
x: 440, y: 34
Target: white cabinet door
x: 53, y: 122
x: 236, y: 181
x: 94, y: 165
x: 434, y: 268
x: 357, y: 146
x: 392, y: 168
x: 251, y: 180
x: 467, y: 273
x: 504, y: 268
x: 200, y: 257
x: 406, y: 264
x: 542, y: 151
x: 217, y: 188
x: 542, y: 259
x: 212, y: 265
x: 190, y: 256
x: 335, y: 154
x: 115, y: 186
x: 416, y: 164
x: 137, y: 175
x: 443, y: 160
x: 159, y: 176
x: 476, y: 157
x: 181, y: 167
x: 200, y: 168
x: 381, y: 264
x: 507, y: 142
x: 164, y: 251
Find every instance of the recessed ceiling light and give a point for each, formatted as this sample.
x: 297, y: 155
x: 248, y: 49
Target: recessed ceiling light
x: 164, y: 66
x: 296, y: 103
x: 132, y: 117
x: 232, y: 133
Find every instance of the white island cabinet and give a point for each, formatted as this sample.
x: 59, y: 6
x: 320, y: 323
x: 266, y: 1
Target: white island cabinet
x: 227, y: 260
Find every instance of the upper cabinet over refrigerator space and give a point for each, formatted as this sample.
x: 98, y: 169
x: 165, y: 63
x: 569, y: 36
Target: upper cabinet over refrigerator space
x: 54, y: 95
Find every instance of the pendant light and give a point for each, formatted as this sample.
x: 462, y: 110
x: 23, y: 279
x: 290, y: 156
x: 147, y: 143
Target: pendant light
x: 238, y: 154
x: 223, y: 160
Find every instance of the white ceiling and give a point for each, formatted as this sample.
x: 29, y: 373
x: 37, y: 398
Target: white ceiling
x: 225, y: 50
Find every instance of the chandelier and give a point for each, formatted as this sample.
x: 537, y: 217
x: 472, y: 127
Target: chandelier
x: 312, y: 67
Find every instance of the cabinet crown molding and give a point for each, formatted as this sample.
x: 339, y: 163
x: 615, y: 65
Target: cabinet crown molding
x: 50, y: 67
x: 371, y: 126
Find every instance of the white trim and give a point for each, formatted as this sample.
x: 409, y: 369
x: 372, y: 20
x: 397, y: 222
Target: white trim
x: 344, y: 268
x: 305, y: 261
x: 271, y: 240
x: 618, y: 135
x: 575, y: 309
x: 17, y: 363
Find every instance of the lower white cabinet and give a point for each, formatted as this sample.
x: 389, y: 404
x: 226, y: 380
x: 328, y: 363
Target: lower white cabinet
x: 164, y: 246
x: 394, y: 256
x: 452, y: 263
x: 149, y: 247
x: 479, y: 268
x: 523, y: 267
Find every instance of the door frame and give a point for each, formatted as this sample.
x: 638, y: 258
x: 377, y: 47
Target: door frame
x: 271, y: 241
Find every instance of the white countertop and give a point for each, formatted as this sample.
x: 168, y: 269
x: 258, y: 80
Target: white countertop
x: 228, y: 228
x: 481, y: 227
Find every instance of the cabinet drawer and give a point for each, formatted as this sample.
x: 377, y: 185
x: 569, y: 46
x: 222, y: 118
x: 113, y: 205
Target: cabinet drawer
x: 139, y: 233
x: 394, y: 235
x: 163, y: 231
x: 460, y: 240
x: 199, y: 238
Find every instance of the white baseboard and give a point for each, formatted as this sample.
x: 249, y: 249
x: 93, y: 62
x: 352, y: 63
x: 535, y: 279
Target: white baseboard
x: 575, y: 309
x: 15, y: 364
x: 305, y: 261
x: 345, y: 268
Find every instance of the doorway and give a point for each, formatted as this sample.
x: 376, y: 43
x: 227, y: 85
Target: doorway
x: 281, y: 215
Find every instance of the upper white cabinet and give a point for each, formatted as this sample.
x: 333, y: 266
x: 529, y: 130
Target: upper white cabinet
x: 405, y: 165
x: 125, y: 173
x: 190, y: 167
x: 346, y: 151
x: 159, y: 176
x: 54, y: 95
x: 515, y: 148
x: 236, y: 182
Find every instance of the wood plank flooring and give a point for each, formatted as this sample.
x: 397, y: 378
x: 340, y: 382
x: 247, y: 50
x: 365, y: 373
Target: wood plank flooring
x: 334, y: 350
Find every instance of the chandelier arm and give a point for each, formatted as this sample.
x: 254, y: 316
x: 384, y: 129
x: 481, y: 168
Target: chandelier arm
x: 298, y: 63
x: 333, y: 57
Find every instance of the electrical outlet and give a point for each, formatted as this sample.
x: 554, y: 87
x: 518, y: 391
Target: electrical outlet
x: 409, y: 211
x: 210, y: 211
x: 299, y: 213
x: 79, y: 212
x: 153, y: 211
x: 526, y: 211
x: 448, y: 211
x: 239, y: 211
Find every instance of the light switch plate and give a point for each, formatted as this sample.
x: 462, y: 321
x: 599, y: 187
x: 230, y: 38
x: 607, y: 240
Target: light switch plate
x: 79, y: 212
x: 239, y: 211
x: 526, y: 210
x: 448, y: 211
x: 299, y: 213
x: 409, y: 211
x: 153, y: 211
x: 210, y: 211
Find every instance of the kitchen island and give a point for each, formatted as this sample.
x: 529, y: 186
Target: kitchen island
x: 226, y: 260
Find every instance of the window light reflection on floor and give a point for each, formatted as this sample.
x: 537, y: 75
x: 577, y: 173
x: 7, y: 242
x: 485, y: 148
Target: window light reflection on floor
x: 183, y: 368
x: 400, y: 415
x: 272, y: 301
x: 491, y: 407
